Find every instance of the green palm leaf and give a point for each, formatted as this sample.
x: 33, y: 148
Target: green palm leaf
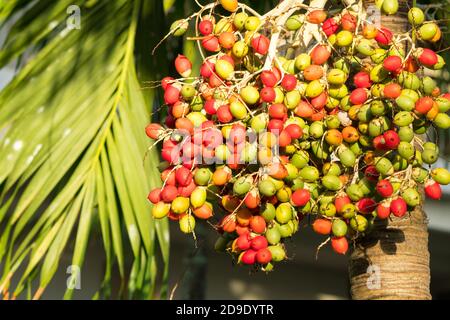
x: 72, y: 148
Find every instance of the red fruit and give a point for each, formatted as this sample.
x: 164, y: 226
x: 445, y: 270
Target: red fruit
x: 259, y: 242
x: 294, y: 130
x: 339, y: 245
x: 433, y: 190
x: 207, y: 69
x: 358, y: 96
x: 399, y: 207
x: 317, y: 16
x: 154, y: 131
x: 284, y: 139
x: 240, y: 230
x: 210, y: 107
x: 391, y: 138
x: 322, y: 226
x: 224, y: 114
x: 278, y: 111
x: 168, y: 176
x: 393, y: 64
x: 320, y: 101
x: 371, y: 173
x: 383, y: 210
x: 446, y: 96
x: 215, y: 81
x: 300, y: 197
x: 165, y: 82
x: 243, y: 242
x: 227, y: 40
x: 379, y: 143
x: 427, y: 57
x: 169, y: 193
x: 185, y: 125
x: 366, y: 205
x: 212, y: 138
x: 171, y: 95
x: 392, y: 90
x: 252, y: 200
x: 424, y: 104
x: 171, y: 155
x: 268, y: 79
x: 155, y: 196
x: 237, y: 134
x: 384, y: 36
x: 228, y: 59
x: 263, y: 256
x: 258, y: 224
x: 330, y: 26
x: 228, y: 223
x: 320, y: 54
x: 411, y: 65
x: 183, y: 66
x: 206, y: 27
x: 275, y: 125
x: 362, y: 80
x: 183, y: 176
x: 349, y: 22
x: 384, y: 188
x: 249, y: 257
x: 261, y: 44
x: 211, y: 44
x: 268, y: 94
x: 289, y: 82
x: 340, y: 202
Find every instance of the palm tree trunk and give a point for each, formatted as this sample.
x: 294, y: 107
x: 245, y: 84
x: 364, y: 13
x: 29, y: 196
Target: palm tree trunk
x: 393, y: 261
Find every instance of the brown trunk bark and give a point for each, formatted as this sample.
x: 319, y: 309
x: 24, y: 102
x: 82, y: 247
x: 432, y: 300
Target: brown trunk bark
x: 393, y: 261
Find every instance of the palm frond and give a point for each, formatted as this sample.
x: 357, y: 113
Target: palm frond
x: 72, y: 149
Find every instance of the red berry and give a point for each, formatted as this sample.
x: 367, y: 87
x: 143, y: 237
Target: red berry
x: 330, y: 26
x: 322, y: 226
x: 171, y: 95
x: 362, y: 80
x: 366, y: 205
x: 155, y: 196
x: 165, y: 82
x: 339, y: 245
x: 243, y: 242
x: 263, y: 256
x: 259, y: 242
x: 393, y: 64
x: 371, y: 173
x: 224, y: 114
x: 269, y: 79
x: 340, y: 202
x: 320, y: 54
x: 427, y: 57
x: 424, y: 104
x: 294, y: 130
x: 249, y: 257
x: 433, y: 190
x: 169, y: 193
x: 399, y: 207
x: 268, y: 94
x: 300, y: 197
x: 289, y: 82
x: 383, y: 211
x: 391, y: 138
x: 211, y: 44
x: 278, y: 111
x: 384, y: 188
x: 384, y: 36
x: 206, y: 27
x: 183, y: 66
x: 358, y: 96
x: 392, y: 90
x: 207, y: 69
x: 183, y: 176
x: 261, y: 44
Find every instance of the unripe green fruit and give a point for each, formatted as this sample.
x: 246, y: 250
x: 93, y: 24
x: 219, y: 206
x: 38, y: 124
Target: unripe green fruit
x: 429, y: 156
x: 316, y: 129
x: 356, y: 147
x: 443, y: 104
x: 250, y: 95
x: 277, y: 183
x: 406, y: 150
x: 403, y: 119
x: 428, y: 31
x: 314, y: 89
x: 286, y: 230
x: 406, y: 134
x: 309, y: 174
x: 224, y: 69
x: 399, y: 163
x: 347, y: 158
x: 327, y: 209
x: 378, y: 73
x: 336, y: 77
x: 409, y: 80
x: 411, y: 93
x: 202, y: 176
x: 378, y: 108
x: 354, y: 192
x: 292, y: 99
x: 441, y: 176
x: 278, y: 253
x: 366, y: 186
x: 221, y: 244
x: 238, y: 110
x: 295, y: 22
x: 366, y: 47
x: 240, y: 49
x: 267, y: 188
x: 339, y: 228
x: 241, y: 186
x: 179, y: 28
x: 405, y: 103
x: 344, y: 38
x: 332, y: 122
x: 338, y: 92
x: 390, y: 7
x: 160, y: 210
x: 289, y: 66
x: 332, y: 103
x: 331, y: 169
x: 416, y: 16
x: 428, y: 85
x: 259, y: 122
x: 359, y: 223
x: 379, y: 56
x: 442, y: 121
x: 187, y: 224
x: 267, y: 212
x: 252, y: 23
x: 273, y: 235
x: 239, y: 20
x: 349, y: 210
x: 331, y: 182
x: 440, y: 64
x: 284, y: 194
x: 300, y: 159
x: 197, y: 103
x: 297, y: 184
x: 342, y: 64
x: 412, y: 197
x: 365, y: 113
x: 302, y: 61
x: 188, y: 92
x: 384, y: 166
x: 375, y: 128
x: 292, y: 172
x: 419, y: 174
x: 283, y: 213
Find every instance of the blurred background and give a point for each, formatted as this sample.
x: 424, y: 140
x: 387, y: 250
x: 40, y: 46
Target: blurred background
x: 198, y: 273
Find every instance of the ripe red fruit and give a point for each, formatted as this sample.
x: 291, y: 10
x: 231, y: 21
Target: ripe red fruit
x: 384, y: 188
x: 294, y: 130
x: 259, y: 242
x: 243, y: 242
x: 300, y: 197
x: 224, y: 114
x: 371, y: 173
x: 168, y: 176
x: 393, y: 64
x: 316, y: 16
x: 379, y: 143
x: 424, y: 104
x: 289, y: 82
x: 240, y: 230
x: 252, y: 200
x: 366, y: 205
x: 358, y: 96
x: 171, y: 95
x: 399, y: 207
x: 210, y: 107
x: 278, y: 111
x: 268, y: 94
x: 320, y: 101
x: 154, y: 131
x: 227, y: 40
x: 268, y: 79
x: 237, y: 134
x: 206, y: 27
x: 171, y: 155
x: 362, y: 80
x: 339, y: 245
x: 275, y: 125
x: 392, y: 90
x: 257, y: 224
x: 183, y: 66
x: 391, y: 139
x: 349, y: 22
x: 169, y: 193
x: 320, y: 54
x: 211, y: 44
x: 322, y: 226
x: 427, y: 57
x: 249, y: 257
x: 340, y: 202
x: 433, y: 190
x: 207, y: 69
x: 384, y: 36
x: 165, y: 82
x: 187, y: 191
x: 183, y: 176
x: 155, y: 196
x: 284, y: 139
x: 383, y: 211
x: 263, y: 256
x: 330, y: 26
x: 261, y: 44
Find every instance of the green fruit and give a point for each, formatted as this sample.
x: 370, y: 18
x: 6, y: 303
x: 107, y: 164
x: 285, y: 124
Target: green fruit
x: 188, y: 92
x: 309, y: 174
x: 406, y: 134
x: 366, y: 47
x: 286, y: 230
x: 406, y: 150
x: 428, y: 30
x: 239, y: 20
x: 409, y: 80
x: 378, y: 108
x: 359, y: 223
x: 440, y: 64
x: 428, y: 85
x: 366, y: 186
x: 332, y: 183
x: 342, y: 64
x: 442, y: 121
x: 292, y: 172
x: 277, y: 183
x: 331, y: 169
x: 344, y: 38
x: 399, y: 163
x: 250, y: 95
x: 314, y: 89
x: 419, y: 174
x: 283, y: 213
x: 180, y: 205
x: 349, y: 210
x: 441, y: 176
x: 284, y: 194
x: 384, y: 166
x: 356, y: 148
x: 302, y: 61
x: 412, y: 197
x: 316, y: 129
x: 273, y: 236
x: 278, y: 253
x: 252, y: 23
x: 202, y: 176
x: 242, y: 186
x: 267, y: 212
x: 160, y: 210
x: 198, y: 197
x: 187, y: 224
x: 238, y: 110
x: 365, y: 113
x: 297, y: 184
x: 416, y: 16
x: 221, y: 244
x: 429, y: 156
x: 179, y: 27
x: 338, y: 92
x: 390, y: 7
x: 327, y: 209
x: 403, y: 119
x: 411, y: 93
x: 292, y: 99
x: 240, y: 49
x: 378, y: 56
x: 378, y: 73
x: 332, y: 122
x: 337, y: 77
x: 259, y: 122
x: 295, y: 22
x: 354, y: 192
x: 339, y: 228
x: 197, y: 104
x: 267, y: 188
x: 443, y: 104
x: 405, y: 103
x: 300, y: 159
x: 347, y: 158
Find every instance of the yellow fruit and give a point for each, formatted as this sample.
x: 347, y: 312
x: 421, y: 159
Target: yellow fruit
x: 229, y: 5
x: 160, y: 210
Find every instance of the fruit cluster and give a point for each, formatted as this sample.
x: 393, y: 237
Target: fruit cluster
x: 270, y: 135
